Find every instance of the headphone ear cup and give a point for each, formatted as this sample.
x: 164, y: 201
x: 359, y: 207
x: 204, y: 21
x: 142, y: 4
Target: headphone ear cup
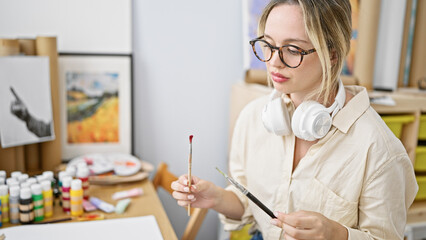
x: 308, y: 120
x: 295, y: 121
x: 275, y: 117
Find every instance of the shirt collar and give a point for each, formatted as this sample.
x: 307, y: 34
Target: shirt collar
x: 352, y: 110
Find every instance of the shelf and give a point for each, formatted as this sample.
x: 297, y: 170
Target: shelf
x: 417, y: 212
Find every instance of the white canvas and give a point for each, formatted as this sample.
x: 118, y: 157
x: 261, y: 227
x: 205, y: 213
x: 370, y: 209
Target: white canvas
x: 29, y: 77
x: 145, y: 227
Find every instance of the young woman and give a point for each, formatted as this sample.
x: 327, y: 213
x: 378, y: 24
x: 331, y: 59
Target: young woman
x: 314, y: 152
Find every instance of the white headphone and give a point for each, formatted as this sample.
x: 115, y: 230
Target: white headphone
x: 310, y: 121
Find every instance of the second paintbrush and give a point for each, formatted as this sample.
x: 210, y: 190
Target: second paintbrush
x: 248, y: 194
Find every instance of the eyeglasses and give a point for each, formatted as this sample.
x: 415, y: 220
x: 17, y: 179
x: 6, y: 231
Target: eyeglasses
x: 290, y: 55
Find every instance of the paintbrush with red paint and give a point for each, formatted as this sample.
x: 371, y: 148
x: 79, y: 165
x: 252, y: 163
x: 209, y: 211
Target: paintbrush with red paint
x: 189, y: 170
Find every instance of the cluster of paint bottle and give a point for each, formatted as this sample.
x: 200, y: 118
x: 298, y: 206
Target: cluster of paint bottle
x: 74, y: 187
x: 26, y: 199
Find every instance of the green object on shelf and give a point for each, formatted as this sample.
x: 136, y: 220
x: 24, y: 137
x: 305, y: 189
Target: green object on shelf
x: 420, y: 163
x: 422, y: 127
x: 395, y: 122
x: 421, y: 194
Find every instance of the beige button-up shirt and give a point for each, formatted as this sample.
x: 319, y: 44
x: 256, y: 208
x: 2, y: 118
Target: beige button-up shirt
x: 359, y: 174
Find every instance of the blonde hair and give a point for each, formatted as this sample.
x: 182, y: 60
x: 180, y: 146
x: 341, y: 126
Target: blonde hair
x: 328, y: 25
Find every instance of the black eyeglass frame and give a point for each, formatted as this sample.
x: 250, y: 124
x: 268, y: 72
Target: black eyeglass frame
x: 280, y: 51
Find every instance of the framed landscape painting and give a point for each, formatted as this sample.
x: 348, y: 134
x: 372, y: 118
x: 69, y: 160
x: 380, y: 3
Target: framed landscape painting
x: 95, y: 104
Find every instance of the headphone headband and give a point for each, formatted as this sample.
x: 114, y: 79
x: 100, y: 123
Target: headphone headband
x: 339, y: 100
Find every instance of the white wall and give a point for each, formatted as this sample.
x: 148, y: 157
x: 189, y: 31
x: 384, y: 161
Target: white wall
x: 187, y: 54
x: 81, y: 26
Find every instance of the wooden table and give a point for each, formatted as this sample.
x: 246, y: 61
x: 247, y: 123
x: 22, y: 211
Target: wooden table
x: 147, y: 204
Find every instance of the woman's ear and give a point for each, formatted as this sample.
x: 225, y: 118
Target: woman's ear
x: 333, y: 56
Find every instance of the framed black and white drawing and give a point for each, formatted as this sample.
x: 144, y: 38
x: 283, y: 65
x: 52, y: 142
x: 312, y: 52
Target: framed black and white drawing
x: 95, y: 104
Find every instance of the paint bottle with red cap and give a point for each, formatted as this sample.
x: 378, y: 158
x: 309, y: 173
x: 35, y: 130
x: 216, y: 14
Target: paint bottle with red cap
x: 66, y: 187
x: 83, y: 175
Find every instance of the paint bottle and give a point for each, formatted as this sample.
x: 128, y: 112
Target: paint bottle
x: 12, y: 182
x: 3, y: 174
x: 83, y: 175
x: 2, y: 180
x: 48, y: 198
x: 23, y: 177
x: 25, y: 185
x: 1, y: 223
x: 76, y: 200
x: 66, y: 187
x: 61, y: 176
x: 4, y: 197
x: 31, y: 180
x: 14, y: 205
x: 37, y: 195
x: 15, y: 175
x: 49, y: 176
x: 40, y: 178
x: 71, y: 170
x: 26, y: 211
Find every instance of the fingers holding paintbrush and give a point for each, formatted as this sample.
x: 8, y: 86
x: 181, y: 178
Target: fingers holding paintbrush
x: 189, y: 170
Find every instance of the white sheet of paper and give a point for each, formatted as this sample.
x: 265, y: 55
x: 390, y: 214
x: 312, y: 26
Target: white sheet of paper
x: 144, y: 227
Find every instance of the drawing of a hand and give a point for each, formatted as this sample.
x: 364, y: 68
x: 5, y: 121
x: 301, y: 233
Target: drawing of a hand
x: 18, y: 108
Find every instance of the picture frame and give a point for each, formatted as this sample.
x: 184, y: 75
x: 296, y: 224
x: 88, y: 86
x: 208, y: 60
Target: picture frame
x: 95, y: 104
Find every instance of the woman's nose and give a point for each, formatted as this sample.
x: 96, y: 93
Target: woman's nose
x: 276, y: 60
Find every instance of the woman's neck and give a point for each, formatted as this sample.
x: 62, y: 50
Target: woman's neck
x: 299, y: 97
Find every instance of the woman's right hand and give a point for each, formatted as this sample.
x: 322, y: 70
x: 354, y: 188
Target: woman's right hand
x: 203, y: 194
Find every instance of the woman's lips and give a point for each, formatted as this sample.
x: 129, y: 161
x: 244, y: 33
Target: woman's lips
x: 276, y: 77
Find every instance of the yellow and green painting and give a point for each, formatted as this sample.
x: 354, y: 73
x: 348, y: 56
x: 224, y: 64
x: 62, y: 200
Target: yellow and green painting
x: 92, y: 107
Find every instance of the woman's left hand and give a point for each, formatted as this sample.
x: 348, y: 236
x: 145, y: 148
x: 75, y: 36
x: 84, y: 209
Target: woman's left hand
x: 308, y: 225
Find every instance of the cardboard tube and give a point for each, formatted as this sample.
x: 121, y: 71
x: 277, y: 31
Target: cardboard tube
x: 9, y: 47
x: 7, y: 157
x: 27, y: 46
x: 50, y: 152
x: 8, y: 161
x: 367, y: 40
x: 31, y: 151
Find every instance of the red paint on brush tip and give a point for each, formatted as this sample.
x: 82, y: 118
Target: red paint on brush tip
x: 190, y: 138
